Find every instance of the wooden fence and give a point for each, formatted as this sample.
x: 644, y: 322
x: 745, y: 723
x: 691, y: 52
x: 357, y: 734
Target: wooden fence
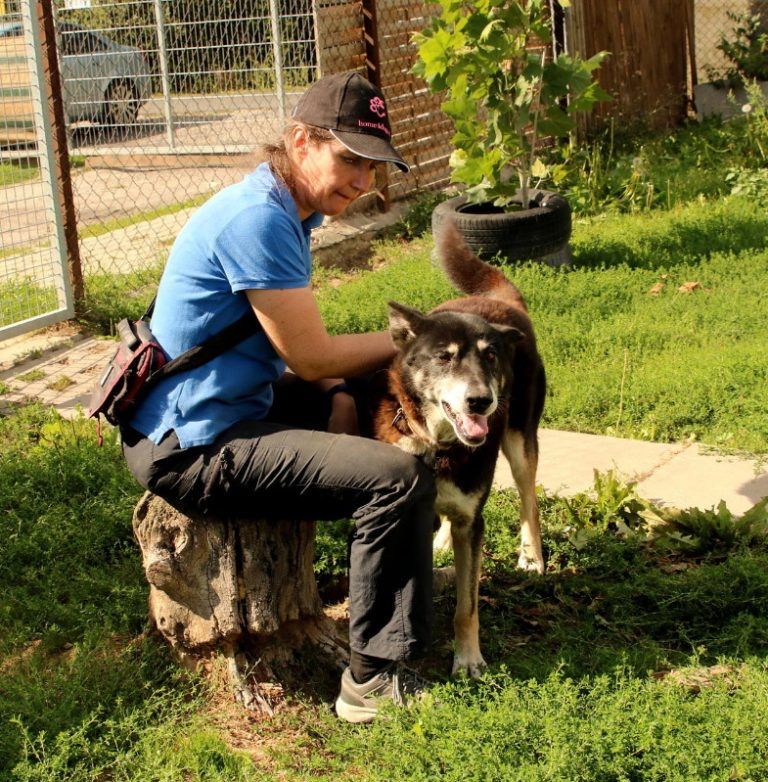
x: 649, y: 72
x: 651, y: 44
x: 375, y: 36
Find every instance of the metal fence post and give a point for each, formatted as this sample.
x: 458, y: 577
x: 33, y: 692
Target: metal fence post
x: 277, y: 51
x: 166, y: 85
x: 56, y: 138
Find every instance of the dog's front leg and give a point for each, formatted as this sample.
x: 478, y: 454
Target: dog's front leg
x: 523, y: 460
x: 467, y: 537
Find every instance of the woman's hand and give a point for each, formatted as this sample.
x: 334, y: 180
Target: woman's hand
x: 343, y: 418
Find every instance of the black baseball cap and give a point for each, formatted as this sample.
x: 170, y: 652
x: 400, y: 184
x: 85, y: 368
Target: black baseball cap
x: 355, y: 112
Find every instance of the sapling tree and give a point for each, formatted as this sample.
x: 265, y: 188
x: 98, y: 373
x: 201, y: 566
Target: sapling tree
x: 504, y: 91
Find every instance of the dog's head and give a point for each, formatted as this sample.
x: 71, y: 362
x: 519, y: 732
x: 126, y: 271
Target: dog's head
x: 455, y: 365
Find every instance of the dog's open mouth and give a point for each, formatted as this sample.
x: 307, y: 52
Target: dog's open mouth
x: 471, y: 428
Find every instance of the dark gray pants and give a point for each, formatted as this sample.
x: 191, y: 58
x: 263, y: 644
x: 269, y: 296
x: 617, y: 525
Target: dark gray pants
x: 271, y: 469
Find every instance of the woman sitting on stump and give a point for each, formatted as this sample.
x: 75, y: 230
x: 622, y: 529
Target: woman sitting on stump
x: 239, y: 436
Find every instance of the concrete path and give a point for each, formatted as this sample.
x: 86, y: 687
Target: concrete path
x: 60, y: 369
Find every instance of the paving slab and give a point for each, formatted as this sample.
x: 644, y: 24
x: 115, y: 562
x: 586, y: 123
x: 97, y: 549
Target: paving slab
x: 681, y: 475
x: 63, y: 377
x: 699, y: 478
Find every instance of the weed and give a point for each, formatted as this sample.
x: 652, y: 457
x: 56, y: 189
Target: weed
x: 32, y: 376
x: 29, y: 355
x: 652, y: 171
x: 112, y: 297
x: 60, y: 383
x: 417, y: 219
x: 745, y: 48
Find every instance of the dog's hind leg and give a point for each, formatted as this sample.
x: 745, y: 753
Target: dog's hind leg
x: 467, y: 550
x: 523, y: 460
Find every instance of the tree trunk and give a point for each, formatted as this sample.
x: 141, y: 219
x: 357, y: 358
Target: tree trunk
x: 233, y: 587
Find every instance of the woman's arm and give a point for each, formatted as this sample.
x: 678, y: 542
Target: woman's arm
x: 291, y: 320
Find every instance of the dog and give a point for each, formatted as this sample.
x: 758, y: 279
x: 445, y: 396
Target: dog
x: 468, y: 381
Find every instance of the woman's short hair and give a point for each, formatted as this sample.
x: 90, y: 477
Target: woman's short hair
x: 276, y: 153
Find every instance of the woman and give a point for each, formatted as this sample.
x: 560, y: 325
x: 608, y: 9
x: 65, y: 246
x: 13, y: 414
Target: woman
x: 225, y: 436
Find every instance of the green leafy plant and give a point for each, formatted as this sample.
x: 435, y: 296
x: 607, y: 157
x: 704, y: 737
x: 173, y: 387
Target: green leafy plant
x: 505, y: 91
x: 746, y: 49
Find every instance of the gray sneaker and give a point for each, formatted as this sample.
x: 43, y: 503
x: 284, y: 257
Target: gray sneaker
x: 361, y: 702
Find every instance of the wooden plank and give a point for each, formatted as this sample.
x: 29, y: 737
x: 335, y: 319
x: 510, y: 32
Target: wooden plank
x: 342, y: 36
x: 646, y: 73
x: 426, y: 148
x: 422, y: 137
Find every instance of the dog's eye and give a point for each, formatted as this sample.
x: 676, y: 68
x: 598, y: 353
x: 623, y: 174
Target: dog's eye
x: 444, y: 356
x: 490, y: 356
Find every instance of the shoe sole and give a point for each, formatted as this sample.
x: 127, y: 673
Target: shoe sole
x: 355, y: 714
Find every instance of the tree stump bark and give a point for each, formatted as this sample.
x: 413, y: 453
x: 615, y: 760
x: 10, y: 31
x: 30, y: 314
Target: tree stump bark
x: 245, y: 589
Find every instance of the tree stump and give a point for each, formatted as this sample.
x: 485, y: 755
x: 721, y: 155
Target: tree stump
x: 245, y: 589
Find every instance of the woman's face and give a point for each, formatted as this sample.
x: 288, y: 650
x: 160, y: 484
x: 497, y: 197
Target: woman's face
x: 329, y: 177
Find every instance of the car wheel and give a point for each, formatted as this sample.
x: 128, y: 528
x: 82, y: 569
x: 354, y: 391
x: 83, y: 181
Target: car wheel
x: 121, y: 107
x: 541, y: 229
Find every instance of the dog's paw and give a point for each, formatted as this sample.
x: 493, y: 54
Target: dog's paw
x: 531, y: 564
x: 473, y: 666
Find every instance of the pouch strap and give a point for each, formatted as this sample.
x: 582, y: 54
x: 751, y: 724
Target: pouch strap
x: 214, y: 346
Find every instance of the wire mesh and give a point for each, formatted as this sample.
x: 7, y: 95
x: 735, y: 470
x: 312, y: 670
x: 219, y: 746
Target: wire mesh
x: 34, y: 288
x: 166, y: 102
x: 718, y: 23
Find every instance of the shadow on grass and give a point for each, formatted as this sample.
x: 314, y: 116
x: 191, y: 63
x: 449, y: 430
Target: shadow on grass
x: 656, y: 240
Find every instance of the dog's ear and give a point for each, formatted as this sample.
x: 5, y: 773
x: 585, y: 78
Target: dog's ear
x: 510, y: 334
x: 404, y: 324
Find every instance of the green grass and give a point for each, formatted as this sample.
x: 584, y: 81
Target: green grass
x: 579, y: 687
x: 24, y: 298
x: 99, y: 229
x: 111, y: 297
x: 25, y: 170
x: 16, y: 173
x: 619, y: 359
x: 641, y: 655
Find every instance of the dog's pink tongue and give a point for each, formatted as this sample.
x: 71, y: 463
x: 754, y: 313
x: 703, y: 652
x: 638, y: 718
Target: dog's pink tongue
x: 474, y: 426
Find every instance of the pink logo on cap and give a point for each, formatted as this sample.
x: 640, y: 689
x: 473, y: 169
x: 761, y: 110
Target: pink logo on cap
x: 378, y: 108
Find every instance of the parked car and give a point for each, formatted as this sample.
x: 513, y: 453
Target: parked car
x: 103, y: 81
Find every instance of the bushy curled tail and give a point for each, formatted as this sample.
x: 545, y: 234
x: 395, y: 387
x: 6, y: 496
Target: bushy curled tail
x: 468, y: 273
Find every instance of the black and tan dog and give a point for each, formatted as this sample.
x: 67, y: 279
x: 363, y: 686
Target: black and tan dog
x: 467, y: 382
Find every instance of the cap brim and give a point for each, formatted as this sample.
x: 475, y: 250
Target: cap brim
x: 371, y: 147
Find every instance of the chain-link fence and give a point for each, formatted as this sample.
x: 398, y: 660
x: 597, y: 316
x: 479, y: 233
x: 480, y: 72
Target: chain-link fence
x: 186, y: 92
x: 728, y: 29
x: 165, y: 102
x: 34, y: 280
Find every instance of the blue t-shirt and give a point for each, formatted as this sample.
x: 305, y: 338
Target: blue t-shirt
x: 247, y: 236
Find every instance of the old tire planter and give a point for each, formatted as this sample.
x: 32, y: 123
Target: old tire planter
x: 540, y: 230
